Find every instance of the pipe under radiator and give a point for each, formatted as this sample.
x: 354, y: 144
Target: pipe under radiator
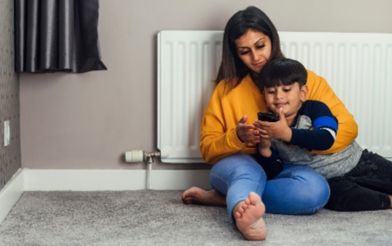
x: 140, y: 156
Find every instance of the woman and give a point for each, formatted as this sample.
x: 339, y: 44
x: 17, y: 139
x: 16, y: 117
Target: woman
x: 229, y: 136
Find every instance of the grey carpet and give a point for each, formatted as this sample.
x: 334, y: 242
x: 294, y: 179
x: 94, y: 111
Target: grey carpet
x: 159, y: 218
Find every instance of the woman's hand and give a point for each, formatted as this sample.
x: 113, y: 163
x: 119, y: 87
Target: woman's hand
x: 247, y: 133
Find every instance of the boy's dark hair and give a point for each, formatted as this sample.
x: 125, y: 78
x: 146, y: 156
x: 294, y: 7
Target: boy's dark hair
x: 282, y: 71
x: 232, y: 68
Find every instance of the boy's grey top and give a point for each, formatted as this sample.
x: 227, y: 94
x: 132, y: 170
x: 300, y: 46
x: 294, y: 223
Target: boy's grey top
x: 315, y: 115
x: 329, y: 166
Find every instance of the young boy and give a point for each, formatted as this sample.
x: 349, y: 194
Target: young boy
x: 358, y: 179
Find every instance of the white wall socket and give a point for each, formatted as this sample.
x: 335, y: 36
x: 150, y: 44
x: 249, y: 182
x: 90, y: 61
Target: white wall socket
x: 7, y: 133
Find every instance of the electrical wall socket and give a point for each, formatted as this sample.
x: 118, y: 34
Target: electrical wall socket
x: 7, y: 133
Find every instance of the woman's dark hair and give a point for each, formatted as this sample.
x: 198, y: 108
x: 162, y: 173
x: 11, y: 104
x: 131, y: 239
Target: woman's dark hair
x: 282, y: 71
x: 232, y: 69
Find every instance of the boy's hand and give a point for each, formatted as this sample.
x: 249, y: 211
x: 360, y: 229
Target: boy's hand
x: 264, y: 147
x: 265, y: 144
x: 247, y: 133
x: 278, y: 130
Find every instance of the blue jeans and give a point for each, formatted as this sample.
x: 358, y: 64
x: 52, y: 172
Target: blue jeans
x: 296, y: 189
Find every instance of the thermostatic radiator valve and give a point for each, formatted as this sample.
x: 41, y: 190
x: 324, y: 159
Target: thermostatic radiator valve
x: 136, y: 156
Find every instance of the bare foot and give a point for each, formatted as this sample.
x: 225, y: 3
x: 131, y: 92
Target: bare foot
x: 390, y: 198
x: 198, y: 195
x: 248, y: 215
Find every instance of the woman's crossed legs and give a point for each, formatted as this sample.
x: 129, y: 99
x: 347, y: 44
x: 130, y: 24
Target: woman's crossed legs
x: 241, y: 184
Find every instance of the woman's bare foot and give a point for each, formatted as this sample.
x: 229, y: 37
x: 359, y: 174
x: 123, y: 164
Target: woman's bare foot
x: 198, y: 195
x: 248, y: 216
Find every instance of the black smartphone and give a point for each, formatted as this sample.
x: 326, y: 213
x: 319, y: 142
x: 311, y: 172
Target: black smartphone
x: 267, y: 116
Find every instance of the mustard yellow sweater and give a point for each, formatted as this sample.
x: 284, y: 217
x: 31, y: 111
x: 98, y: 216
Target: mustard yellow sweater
x: 218, y: 128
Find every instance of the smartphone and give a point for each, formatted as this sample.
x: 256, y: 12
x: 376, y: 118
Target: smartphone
x: 267, y: 116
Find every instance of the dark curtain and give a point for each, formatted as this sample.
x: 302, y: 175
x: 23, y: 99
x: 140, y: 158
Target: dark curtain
x: 57, y: 36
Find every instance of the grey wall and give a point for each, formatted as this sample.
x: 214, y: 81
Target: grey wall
x: 89, y: 120
x: 9, y: 95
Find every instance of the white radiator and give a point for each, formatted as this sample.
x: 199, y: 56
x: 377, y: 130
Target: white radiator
x: 358, y: 66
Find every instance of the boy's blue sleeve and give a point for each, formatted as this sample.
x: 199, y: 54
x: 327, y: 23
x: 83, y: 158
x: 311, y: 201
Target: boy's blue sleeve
x: 324, y: 126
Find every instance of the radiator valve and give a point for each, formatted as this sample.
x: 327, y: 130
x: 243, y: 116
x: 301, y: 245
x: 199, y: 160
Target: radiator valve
x: 137, y: 156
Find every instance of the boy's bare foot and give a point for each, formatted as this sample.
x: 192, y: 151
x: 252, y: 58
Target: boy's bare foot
x: 248, y: 215
x: 198, y: 195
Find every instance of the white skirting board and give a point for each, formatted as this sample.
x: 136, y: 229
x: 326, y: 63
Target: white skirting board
x: 111, y: 179
x: 11, y: 193
x: 96, y: 180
